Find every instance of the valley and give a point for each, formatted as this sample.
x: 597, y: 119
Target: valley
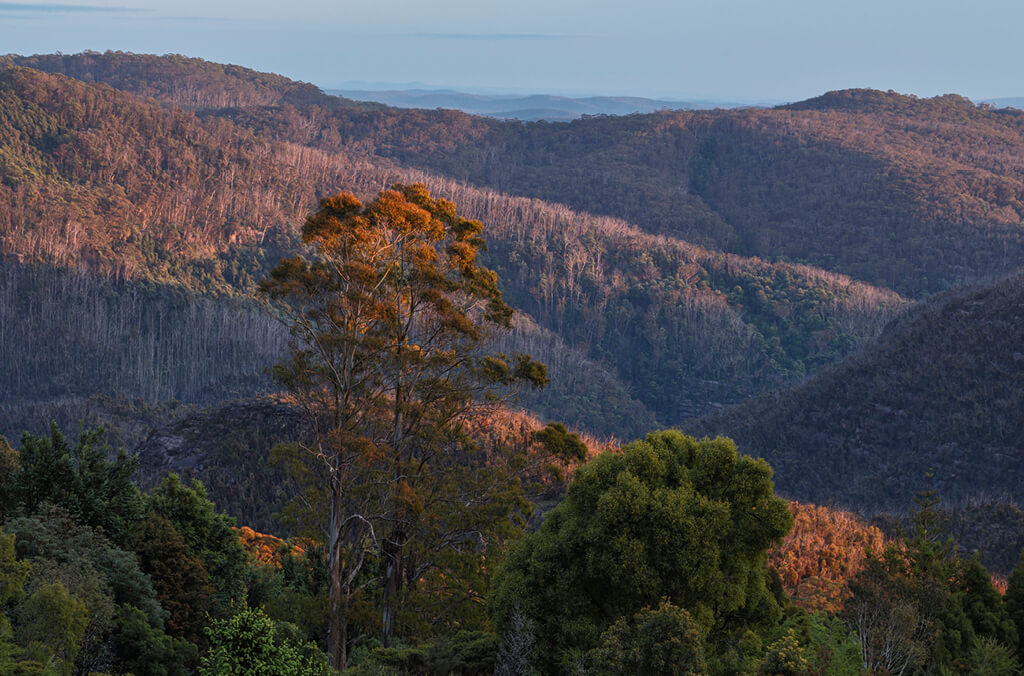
x: 832, y: 284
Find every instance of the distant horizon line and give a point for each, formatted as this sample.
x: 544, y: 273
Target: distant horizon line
x: 415, y: 85
x: 383, y: 86
x: 408, y: 87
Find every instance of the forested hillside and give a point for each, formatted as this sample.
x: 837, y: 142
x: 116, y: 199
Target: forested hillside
x: 80, y: 349
x: 917, y: 198
x: 641, y: 328
x: 532, y: 108
x: 66, y: 334
x: 229, y: 448
x: 939, y: 392
x: 742, y: 273
x: 97, y: 179
x: 886, y: 195
x: 189, y: 82
x: 914, y: 194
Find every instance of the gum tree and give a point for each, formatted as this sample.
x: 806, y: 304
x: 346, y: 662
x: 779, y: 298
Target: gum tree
x: 389, y: 314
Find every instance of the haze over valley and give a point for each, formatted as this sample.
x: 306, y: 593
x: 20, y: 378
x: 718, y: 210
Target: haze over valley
x: 531, y: 108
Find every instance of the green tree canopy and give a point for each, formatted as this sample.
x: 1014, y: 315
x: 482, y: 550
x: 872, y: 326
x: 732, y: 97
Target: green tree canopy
x: 146, y: 650
x: 12, y: 572
x: 669, y: 517
x: 207, y: 533
x: 1015, y: 601
x: 88, y: 479
x: 665, y: 640
x: 922, y: 609
x: 984, y: 605
x: 92, y: 570
x: 249, y: 644
x: 180, y: 580
x: 51, y: 625
x: 9, y: 466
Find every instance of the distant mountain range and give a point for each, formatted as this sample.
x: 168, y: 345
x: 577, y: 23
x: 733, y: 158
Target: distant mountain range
x: 527, y: 108
x: 207, y: 200
x: 1010, y: 102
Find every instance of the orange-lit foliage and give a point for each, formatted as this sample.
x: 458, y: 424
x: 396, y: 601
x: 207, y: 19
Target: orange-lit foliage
x: 825, y: 549
x: 503, y: 429
x: 266, y: 549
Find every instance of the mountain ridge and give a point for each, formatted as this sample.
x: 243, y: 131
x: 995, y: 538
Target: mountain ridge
x: 883, y: 196
x: 526, y: 107
x: 114, y: 184
x: 674, y: 328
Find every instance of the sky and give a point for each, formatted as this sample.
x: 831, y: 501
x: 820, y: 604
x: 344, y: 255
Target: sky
x: 734, y: 50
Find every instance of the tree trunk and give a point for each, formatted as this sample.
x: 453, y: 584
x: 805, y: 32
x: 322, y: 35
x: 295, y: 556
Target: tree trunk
x: 338, y: 595
x: 393, y: 573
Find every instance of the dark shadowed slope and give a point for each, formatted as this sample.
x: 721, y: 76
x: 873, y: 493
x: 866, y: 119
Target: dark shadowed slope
x: 942, y: 390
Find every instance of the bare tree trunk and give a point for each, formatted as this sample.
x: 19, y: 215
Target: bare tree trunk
x: 394, y: 563
x: 338, y: 597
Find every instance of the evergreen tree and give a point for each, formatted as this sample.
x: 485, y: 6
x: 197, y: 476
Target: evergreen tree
x: 249, y: 644
x: 665, y: 640
x: 180, y: 579
x: 12, y: 572
x: 87, y: 479
x: 207, y: 534
x: 984, y: 605
x: 51, y: 625
x: 670, y: 518
x: 143, y: 649
x: 1015, y: 601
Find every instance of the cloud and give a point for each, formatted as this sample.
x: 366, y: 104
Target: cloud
x: 24, y: 8
x: 490, y: 36
x: 199, y: 19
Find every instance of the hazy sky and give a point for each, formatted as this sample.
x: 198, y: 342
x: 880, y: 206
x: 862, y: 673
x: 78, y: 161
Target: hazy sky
x: 722, y: 49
